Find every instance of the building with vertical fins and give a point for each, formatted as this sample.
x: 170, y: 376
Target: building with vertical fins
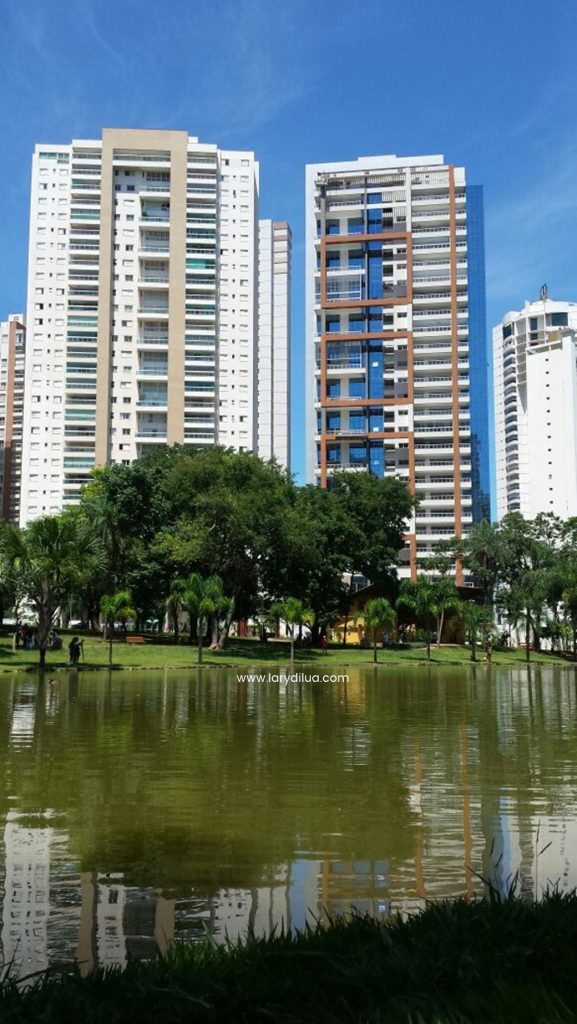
x: 274, y: 333
x: 12, y: 356
x: 535, y: 404
x: 143, y: 306
x: 397, y: 357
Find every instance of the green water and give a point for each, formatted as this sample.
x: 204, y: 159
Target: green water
x: 142, y: 807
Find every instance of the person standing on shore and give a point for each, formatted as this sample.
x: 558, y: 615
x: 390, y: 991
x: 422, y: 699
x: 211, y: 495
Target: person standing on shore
x: 74, y: 648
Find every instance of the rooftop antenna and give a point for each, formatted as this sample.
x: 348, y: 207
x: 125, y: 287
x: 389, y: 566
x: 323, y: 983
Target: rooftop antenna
x: 544, y: 295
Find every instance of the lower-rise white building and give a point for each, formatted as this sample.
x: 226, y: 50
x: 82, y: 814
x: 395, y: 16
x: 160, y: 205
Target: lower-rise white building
x: 535, y: 379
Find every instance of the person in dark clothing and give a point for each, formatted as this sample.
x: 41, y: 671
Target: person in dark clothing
x: 74, y: 649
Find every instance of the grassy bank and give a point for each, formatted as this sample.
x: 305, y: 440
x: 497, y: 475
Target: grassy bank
x: 489, y: 961
x: 247, y: 652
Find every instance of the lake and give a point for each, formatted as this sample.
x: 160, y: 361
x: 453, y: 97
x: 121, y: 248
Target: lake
x: 137, y: 808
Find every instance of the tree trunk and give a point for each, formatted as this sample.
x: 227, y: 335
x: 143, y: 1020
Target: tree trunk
x: 214, y: 631
x: 347, y: 610
x: 292, y: 645
x: 175, y: 620
x: 428, y: 646
x: 193, y: 632
x: 374, y: 652
x: 225, y: 629
x: 110, y: 631
x: 528, y: 637
x: 199, y: 647
x: 42, y: 631
x: 473, y: 647
x: 440, y: 620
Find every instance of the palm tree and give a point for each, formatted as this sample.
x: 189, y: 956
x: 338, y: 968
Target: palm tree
x: 475, y: 617
x: 202, y: 597
x: 294, y: 613
x: 446, y: 600
x: 115, y: 607
x: 419, y: 597
x: 570, y: 608
x: 46, y: 561
x: 378, y: 614
x: 480, y: 553
x: 174, y: 604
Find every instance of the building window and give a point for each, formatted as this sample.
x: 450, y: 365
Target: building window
x: 559, y: 320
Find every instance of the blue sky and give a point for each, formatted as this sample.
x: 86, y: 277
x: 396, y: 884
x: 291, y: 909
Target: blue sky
x: 492, y: 85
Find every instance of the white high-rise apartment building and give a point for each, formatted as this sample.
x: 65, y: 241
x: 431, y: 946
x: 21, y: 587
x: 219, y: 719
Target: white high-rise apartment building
x: 143, y: 306
x: 274, y: 332
x: 12, y: 357
x: 397, y: 359
x: 535, y: 378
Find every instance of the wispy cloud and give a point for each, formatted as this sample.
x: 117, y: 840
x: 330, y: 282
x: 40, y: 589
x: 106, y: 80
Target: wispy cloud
x: 532, y: 232
x: 88, y: 19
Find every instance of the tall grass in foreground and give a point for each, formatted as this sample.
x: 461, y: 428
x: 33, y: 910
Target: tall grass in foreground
x: 493, y: 960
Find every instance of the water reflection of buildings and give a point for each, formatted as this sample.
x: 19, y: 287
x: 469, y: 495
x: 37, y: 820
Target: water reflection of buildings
x: 25, y: 897
x: 118, y: 922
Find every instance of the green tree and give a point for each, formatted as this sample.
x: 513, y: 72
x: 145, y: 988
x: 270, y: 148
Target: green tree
x: 526, y: 557
x: 115, y: 608
x: 316, y: 559
x: 378, y: 615
x: 46, y: 562
x: 475, y: 617
x: 569, y: 599
x: 446, y: 600
x: 480, y: 553
x: 294, y: 613
x: 202, y: 598
x: 372, y: 514
x: 420, y: 597
x: 126, y: 507
x: 174, y: 605
x: 228, y: 517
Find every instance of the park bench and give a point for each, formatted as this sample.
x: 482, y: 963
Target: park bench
x: 136, y: 639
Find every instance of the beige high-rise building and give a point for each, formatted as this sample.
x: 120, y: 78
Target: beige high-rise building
x: 12, y: 356
x: 143, y: 306
x: 274, y: 333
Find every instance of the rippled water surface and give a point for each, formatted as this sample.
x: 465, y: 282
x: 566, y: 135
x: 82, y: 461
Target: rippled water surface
x: 138, y: 808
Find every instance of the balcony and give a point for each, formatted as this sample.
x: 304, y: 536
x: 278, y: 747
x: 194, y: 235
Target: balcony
x: 152, y: 370
x: 354, y: 466
x: 200, y: 389
x: 155, y: 247
x: 153, y: 279
x: 152, y: 341
x: 158, y: 403
x: 158, y: 436
x: 150, y: 219
x: 345, y: 364
x: 151, y: 312
x: 155, y: 186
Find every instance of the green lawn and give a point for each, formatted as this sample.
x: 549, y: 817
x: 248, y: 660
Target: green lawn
x: 245, y: 653
x: 491, y: 962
